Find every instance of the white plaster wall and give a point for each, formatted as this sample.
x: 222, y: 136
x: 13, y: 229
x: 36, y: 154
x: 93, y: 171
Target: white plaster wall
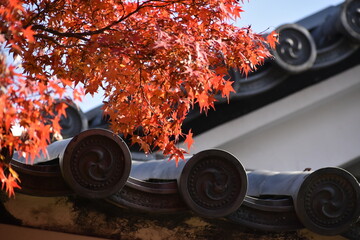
x: 316, y: 127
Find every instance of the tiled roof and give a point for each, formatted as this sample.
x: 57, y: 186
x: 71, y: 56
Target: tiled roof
x: 213, y: 184
x: 96, y: 164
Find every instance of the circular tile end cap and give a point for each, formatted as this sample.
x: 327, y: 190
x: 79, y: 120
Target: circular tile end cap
x: 96, y: 163
x: 328, y: 201
x: 213, y: 183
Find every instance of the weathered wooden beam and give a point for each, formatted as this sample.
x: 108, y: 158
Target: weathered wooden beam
x: 92, y: 217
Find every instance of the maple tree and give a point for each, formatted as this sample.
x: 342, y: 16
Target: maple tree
x: 154, y: 59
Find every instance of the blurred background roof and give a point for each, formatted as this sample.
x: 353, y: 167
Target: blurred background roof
x: 263, y: 16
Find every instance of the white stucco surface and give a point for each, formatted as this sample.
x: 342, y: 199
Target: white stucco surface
x: 316, y: 127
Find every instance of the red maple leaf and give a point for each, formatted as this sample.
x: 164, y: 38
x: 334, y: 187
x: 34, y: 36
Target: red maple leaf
x: 189, y: 140
x: 15, y: 4
x: 227, y: 89
x: 272, y: 39
x: 11, y: 184
x: 9, y: 181
x: 29, y: 34
x: 203, y: 100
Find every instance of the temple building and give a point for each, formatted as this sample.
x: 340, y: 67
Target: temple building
x: 280, y: 161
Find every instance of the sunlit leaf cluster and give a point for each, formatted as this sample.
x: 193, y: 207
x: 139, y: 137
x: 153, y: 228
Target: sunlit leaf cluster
x: 155, y: 59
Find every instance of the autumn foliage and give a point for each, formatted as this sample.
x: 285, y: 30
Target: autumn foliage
x: 155, y: 59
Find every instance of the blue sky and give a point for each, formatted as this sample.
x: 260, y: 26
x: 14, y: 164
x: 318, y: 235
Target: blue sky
x: 263, y: 16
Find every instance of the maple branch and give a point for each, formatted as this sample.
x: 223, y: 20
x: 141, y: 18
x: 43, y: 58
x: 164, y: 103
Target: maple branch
x: 40, y: 12
x: 165, y: 5
x: 61, y: 34
x: 43, y: 36
x: 81, y: 35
